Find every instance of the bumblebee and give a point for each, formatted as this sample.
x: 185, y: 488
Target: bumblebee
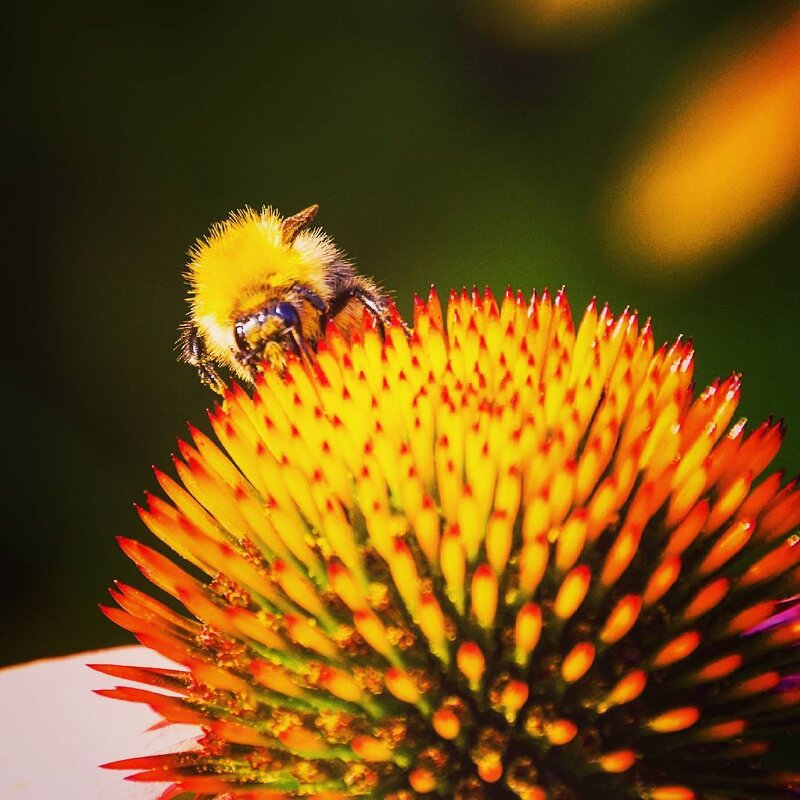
x: 262, y: 286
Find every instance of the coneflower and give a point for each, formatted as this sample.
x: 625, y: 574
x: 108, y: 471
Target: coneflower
x: 502, y: 558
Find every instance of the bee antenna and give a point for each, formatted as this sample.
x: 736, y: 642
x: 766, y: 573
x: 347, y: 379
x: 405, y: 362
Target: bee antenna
x: 291, y: 226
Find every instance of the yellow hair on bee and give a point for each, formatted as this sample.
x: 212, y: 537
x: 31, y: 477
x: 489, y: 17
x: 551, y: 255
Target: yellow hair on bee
x: 244, y: 261
x: 253, y: 260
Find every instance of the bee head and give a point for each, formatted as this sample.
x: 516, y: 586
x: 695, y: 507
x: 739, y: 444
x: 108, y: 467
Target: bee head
x: 275, y: 324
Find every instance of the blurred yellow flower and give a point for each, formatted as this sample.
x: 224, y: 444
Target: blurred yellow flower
x: 530, y: 22
x: 723, y: 161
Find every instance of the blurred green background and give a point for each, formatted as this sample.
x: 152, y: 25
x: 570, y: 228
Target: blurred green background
x: 441, y: 148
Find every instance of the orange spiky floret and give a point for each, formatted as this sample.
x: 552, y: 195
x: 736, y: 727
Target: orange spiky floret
x: 499, y: 557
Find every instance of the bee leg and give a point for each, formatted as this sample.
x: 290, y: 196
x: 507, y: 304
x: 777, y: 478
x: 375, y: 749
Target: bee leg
x: 300, y: 345
x: 308, y: 294
x: 327, y: 312
x: 191, y: 350
x: 369, y: 300
x: 313, y: 298
x: 210, y: 377
x: 372, y: 304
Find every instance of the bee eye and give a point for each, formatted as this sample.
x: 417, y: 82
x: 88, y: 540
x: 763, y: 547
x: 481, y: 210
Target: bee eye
x: 288, y: 313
